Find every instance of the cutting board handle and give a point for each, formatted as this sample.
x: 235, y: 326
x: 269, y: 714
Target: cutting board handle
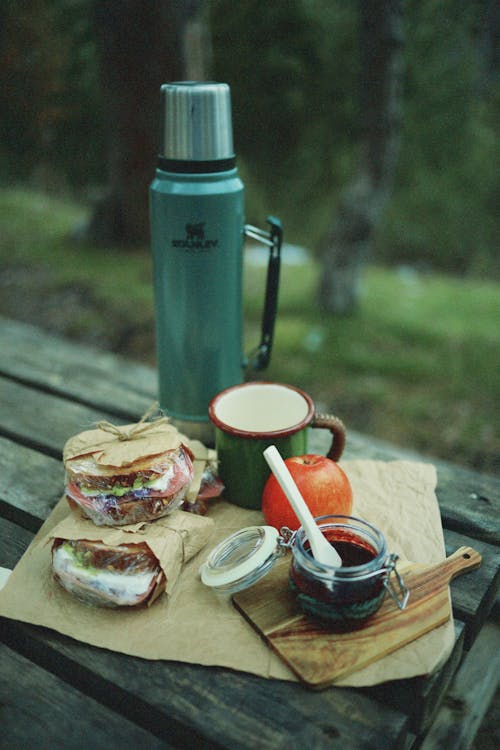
x: 461, y: 561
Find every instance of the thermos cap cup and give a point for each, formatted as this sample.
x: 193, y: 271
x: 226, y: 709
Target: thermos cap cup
x: 195, y: 122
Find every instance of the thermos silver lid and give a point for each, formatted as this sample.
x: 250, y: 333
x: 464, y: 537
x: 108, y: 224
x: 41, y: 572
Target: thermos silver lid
x: 195, y: 122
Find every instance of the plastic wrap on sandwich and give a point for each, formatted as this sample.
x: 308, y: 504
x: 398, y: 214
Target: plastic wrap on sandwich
x: 211, y: 487
x: 146, y: 489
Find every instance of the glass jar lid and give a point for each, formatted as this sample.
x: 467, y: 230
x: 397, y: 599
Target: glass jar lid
x: 242, y: 559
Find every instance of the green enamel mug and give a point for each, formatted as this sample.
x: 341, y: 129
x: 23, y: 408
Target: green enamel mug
x: 248, y: 418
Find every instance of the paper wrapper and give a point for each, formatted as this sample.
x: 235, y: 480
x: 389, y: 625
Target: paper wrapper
x: 122, y: 445
x: 194, y: 625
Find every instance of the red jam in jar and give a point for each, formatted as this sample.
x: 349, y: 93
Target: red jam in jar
x: 353, y: 551
x: 345, y: 596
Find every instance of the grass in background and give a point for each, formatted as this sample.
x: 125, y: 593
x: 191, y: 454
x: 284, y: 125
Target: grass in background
x: 418, y: 365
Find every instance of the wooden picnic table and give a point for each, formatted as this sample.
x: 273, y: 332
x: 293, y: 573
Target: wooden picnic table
x: 62, y: 693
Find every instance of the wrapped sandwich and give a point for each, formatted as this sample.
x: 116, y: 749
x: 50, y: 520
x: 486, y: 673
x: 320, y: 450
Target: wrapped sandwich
x: 126, y: 566
x: 128, y: 474
x: 128, y: 575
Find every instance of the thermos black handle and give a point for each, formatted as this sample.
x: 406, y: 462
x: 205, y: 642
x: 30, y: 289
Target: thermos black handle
x: 262, y: 354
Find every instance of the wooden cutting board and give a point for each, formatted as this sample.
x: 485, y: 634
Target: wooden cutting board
x: 317, y: 655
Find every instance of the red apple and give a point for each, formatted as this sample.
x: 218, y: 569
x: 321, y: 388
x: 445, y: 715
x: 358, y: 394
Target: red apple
x: 322, y: 483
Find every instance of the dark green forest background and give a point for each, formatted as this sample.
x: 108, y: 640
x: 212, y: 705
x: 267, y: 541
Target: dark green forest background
x: 293, y: 69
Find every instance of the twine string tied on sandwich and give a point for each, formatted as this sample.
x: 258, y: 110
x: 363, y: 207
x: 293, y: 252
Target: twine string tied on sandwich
x: 181, y: 535
x: 136, y: 430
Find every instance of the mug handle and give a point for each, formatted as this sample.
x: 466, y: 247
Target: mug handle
x: 336, y: 427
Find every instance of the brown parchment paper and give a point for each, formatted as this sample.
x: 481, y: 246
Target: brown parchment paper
x: 194, y: 625
x: 122, y: 445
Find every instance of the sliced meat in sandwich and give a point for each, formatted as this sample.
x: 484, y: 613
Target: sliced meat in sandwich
x: 127, y: 575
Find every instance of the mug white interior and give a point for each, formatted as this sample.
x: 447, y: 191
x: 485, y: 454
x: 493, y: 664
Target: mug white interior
x: 262, y: 408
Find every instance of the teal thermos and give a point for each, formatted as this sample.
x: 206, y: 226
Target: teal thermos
x: 198, y: 228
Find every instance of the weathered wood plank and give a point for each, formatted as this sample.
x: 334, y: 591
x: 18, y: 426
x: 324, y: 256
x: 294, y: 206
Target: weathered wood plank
x: 469, y: 502
x: 41, y: 420
x: 470, y: 695
x: 14, y: 541
x: 474, y: 594
x: 76, y: 371
x: 31, y: 483
x: 39, y: 710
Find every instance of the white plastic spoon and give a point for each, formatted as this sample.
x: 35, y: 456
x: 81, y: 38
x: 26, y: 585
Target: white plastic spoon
x: 321, y: 549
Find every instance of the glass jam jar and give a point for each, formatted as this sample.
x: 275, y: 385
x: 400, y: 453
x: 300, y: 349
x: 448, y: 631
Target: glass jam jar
x: 344, y: 597
x: 348, y: 595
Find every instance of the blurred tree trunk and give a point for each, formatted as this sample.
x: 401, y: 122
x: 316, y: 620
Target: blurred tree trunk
x: 141, y: 44
x: 361, y: 204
